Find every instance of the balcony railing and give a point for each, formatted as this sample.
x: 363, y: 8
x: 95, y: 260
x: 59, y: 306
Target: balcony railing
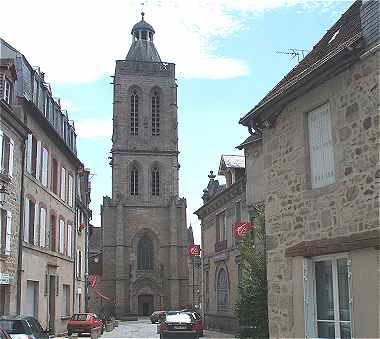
x: 220, y: 246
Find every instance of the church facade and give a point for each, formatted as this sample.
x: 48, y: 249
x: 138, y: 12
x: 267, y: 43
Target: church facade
x: 144, y: 222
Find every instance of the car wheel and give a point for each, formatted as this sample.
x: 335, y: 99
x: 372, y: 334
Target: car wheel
x: 152, y: 321
x: 69, y: 333
x: 201, y: 334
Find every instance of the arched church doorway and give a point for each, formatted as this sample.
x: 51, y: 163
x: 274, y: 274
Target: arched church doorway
x: 145, y: 304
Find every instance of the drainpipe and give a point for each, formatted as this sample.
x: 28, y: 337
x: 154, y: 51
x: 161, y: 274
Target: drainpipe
x: 21, y: 231
x: 75, y: 236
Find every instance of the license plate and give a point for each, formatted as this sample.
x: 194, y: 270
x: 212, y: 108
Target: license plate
x: 179, y: 327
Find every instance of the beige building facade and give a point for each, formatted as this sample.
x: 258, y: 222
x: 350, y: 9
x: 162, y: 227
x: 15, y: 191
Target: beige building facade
x: 144, y: 222
x: 13, y: 134
x: 47, y: 256
x: 224, y: 205
x: 320, y: 158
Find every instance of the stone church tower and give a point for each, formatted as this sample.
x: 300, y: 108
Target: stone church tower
x: 144, y: 223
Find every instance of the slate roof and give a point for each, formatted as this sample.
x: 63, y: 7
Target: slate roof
x: 142, y: 25
x: 143, y: 50
x: 255, y: 137
x: 344, y: 33
x: 233, y: 161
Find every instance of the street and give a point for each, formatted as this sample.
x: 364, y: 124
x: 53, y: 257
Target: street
x: 143, y: 328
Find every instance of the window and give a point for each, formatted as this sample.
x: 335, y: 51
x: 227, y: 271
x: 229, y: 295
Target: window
x: 134, y: 181
x: 7, y: 91
x: 42, y: 227
x: 134, y: 113
x: 222, y: 288
x: 221, y: 226
x: 156, y: 182
x: 61, y: 236
x: 53, y: 233
x: 4, y: 303
x: 44, y: 167
x: 155, y: 114
x: 79, y: 264
x: 29, y: 221
x: 322, y: 164
x: 33, y: 156
x: 6, y: 154
x: 69, y: 240
x: 63, y: 184
x: 46, y: 106
x: 54, y: 176
x: 5, y: 231
x: 71, y: 190
x: 328, y: 297
x: 65, y: 305
x: 145, y: 254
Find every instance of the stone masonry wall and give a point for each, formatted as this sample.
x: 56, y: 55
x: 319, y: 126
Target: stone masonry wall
x: 294, y: 211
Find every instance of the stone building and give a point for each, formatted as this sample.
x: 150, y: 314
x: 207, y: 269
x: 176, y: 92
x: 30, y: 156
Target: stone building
x: 223, y: 205
x: 13, y: 134
x: 320, y: 159
x: 47, y: 254
x: 144, y: 222
x: 195, y: 274
x: 95, y: 269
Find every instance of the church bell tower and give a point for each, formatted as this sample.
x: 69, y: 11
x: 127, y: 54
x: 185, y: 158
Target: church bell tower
x: 144, y: 222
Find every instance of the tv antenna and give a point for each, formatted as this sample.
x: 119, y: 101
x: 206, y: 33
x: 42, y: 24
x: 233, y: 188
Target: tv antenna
x: 299, y: 53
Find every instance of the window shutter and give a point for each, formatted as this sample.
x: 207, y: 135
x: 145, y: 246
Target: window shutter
x: 1, y: 151
x: 321, y: 147
x: 77, y: 263
x: 309, y: 302
x: 36, y: 228
x: 11, y: 150
x: 42, y: 227
x: 29, y: 151
x: 8, y: 234
x: 26, y: 221
x: 38, y: 161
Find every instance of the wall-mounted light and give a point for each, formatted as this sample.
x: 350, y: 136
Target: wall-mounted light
x: 3, y: 193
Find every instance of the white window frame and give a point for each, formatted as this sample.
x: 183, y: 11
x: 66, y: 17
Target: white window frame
x: 61, y: 244
x: 310, y: 298
x: 69, y: 240
x: 45, y: 166
x: 7, y: 231
x: 43, y: 220
x: 4, y: 138
x: 70, y: 190
x: 63, y: 184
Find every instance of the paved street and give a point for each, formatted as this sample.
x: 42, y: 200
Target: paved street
x: 143, y: 328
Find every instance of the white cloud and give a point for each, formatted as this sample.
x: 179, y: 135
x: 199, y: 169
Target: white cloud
x: 93, y: 128
x: 78, y: 41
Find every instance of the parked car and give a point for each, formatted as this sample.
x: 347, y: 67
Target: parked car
x: 198, y: 321
x: 84, y: 323
x: 4, y: 334
x: 23, y: 327
x: 157, y: 316
x: 179, y: 324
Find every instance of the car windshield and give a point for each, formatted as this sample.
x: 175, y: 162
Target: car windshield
x: 80, y: 317
x: 179, y: 318
x: 35, y: 325
x: 14, y: 326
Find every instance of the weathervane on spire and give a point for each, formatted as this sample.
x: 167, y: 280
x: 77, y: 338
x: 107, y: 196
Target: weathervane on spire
x: 142, y: 10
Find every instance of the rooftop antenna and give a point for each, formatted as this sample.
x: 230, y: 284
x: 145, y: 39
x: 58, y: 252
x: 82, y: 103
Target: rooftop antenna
x: 142, y: 10
x: 299, y: 53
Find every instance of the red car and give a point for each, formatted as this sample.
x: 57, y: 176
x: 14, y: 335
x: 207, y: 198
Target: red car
x: 198, y: 322
x: 84, y: 323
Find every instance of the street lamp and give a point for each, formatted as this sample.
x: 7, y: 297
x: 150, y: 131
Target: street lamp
x: 3, y: 193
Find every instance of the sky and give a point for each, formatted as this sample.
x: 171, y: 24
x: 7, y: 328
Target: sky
x: 226, y: 60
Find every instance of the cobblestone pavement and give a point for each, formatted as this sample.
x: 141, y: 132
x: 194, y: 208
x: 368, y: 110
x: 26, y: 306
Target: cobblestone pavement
x: 143, y: 328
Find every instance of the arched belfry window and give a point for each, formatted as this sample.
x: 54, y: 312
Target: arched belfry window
x: 145, y: 254
x: 134, y: 113
x: 222, y: 288
x: 155, y: 182
x: 134, y: 181
x: 155, y: 114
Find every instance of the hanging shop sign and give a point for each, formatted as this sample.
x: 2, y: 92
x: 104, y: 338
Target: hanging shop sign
x: 241, y: 229
x: 194, y: 250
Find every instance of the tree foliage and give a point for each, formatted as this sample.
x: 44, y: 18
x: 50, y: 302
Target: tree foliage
x: 252, y: 306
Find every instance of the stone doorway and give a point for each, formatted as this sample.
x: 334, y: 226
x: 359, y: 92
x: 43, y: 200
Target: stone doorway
x: 145, y: 304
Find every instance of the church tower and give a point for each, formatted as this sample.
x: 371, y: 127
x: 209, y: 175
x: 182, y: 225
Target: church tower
x: 144, y: 222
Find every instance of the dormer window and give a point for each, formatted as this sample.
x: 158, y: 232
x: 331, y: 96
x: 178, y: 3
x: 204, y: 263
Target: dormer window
x: 143, y: 35
x: 7, y: 91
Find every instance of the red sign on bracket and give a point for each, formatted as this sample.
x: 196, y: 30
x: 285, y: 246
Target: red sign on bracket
x: 194, y: 250
x: 241, y: 229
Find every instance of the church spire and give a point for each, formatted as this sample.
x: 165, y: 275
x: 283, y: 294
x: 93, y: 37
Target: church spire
x: 142, y: 48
